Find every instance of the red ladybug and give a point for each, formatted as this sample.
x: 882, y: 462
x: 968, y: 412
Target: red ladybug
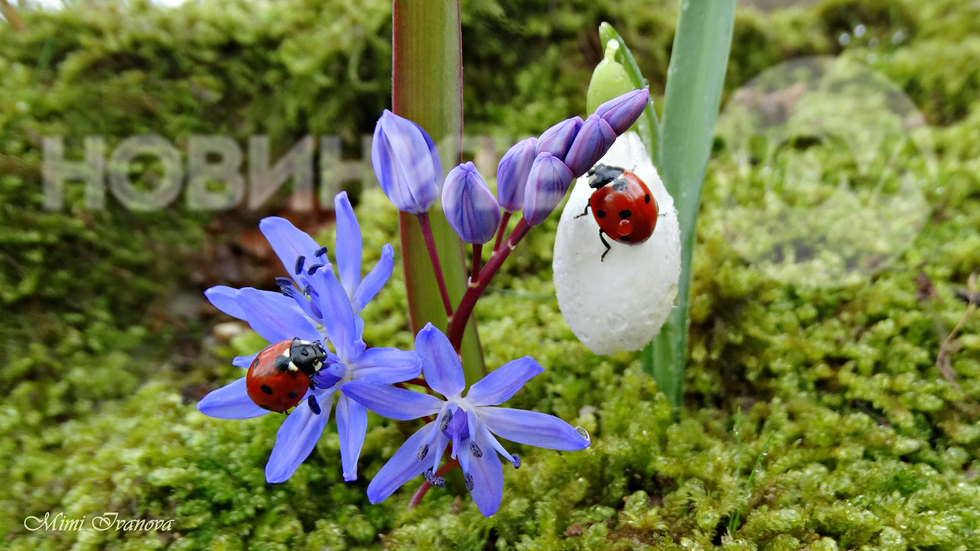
x: 622, y: 205
x: 281, y: 373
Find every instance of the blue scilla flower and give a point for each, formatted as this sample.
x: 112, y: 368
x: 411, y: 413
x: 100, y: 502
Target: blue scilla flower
x: 512, y: 172
x: 406, y: 163
x: 359, y: 291
x: 622, y: 111
x: 547, y: 183
x: 471, y: 209
x: 592, y: 142
x: 322, y: 310
x: 469, y: 423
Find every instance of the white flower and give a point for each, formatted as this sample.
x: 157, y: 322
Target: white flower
x: 621, y: 302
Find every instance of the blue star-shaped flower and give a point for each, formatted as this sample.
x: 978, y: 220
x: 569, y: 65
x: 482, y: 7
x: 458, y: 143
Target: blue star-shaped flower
x: 469, y: 422
x: 323, y: 310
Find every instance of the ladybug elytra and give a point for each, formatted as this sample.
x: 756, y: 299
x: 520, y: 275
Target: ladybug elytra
x: 622, y: 205
x: 281, y: 374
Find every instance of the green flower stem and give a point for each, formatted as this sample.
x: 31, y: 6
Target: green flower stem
x: 427, y: 88
x: 694, y: 85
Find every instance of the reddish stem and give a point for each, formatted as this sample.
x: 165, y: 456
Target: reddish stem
x: 421, y: 491
x: 430, y: 244
x: 458, y: 323
x: 477, y: 260
x: 502, y: 230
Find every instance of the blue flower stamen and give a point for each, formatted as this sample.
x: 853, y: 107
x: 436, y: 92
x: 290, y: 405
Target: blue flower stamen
x: 469, y: 482
x: 434, y: 480
x: 314, y: 406
x: 313, y: 269
x: 299, y: 264
x: 516, y: 460
x: 423, y: 451
x: 284, y: 282
x: 475, y: 450
x: 444, y: 424
x: 320, y: 252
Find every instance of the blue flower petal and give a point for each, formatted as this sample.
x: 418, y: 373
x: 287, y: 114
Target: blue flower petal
x: 225, y: 299
x: 502, y: 383
x: 558, y: 139
x: 338, y: 318
x: 470, y: 208
x: 533, y: 428
x: 402, y: 467
x: 406, y: 162
x: 270, y: 319
x: 546, y: 185
x: 348, y: 244
x: 359, y: 327
x: 375, y: 280
x: 593, y: 141
x: 392, y: 402
x: 296, y: 438
x: 440, y: 363
x: 487, y: 476
x: 244, y: 362
x: 230, y: 402
x: 512, y: 173
x: 351, y: 427
x: 622, y: 111
x: 288, y: 241
x: 387, y: 365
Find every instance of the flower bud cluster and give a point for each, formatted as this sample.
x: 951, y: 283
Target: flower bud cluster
x: 533, y: 176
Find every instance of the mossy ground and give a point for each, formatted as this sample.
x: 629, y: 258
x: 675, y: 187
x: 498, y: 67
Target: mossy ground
x: 869, y: 446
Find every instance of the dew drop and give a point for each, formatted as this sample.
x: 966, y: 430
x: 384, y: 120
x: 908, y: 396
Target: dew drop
x: 617, y: 323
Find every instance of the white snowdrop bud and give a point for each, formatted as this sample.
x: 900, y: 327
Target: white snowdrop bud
x: 618, y: 302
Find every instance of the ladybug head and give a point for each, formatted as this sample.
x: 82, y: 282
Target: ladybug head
x: 604, y: 175
x: 307, y: 356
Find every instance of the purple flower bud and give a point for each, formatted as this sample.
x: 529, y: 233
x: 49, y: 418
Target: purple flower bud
x: 557, y: 139
x: 546, y: 185
x: 406, y: 163
x: 512, y: 174
x: 622, y: 111
x: 593, y: 141
x: 471, y: 210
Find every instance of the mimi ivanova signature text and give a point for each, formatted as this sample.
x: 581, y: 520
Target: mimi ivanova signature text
x: 104, y: 522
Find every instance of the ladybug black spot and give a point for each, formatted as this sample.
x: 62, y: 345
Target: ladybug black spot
x: 646, y: 198
x: 267, y: 408
x: 625, y: 214
x: 267, y: 389
x: 292, y: 395
x: 600, y: 213
x: 624, y: 239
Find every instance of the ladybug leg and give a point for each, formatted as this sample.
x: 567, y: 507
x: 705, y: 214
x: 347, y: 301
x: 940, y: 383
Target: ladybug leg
x: 604, y: 242
x: 584, y: 211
